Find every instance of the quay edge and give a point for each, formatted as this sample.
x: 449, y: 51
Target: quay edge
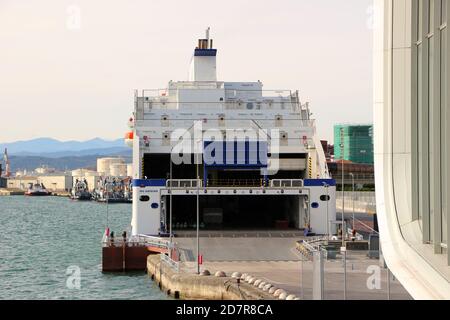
x: 195, y: 287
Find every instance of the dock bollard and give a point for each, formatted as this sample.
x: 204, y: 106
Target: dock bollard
x: 205, y: 273
x: 220, y: 274
x: 283, y: 296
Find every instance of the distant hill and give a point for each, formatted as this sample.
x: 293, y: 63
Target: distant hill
x: 81, y: 153
x: 49, y: 147
x: 30, y: 163
x: 62, y: 155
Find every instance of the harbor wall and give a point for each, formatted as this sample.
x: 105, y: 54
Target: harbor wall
x: 188, y: 286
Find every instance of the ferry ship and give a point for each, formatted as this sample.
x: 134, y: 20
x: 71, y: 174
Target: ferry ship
x: 250, y: 156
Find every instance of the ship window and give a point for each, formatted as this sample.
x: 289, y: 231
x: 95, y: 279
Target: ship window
x: 325, y: 198
x: 250, y: 105
x: 165, y: 120
x: 314, y: 205
x: 144, y: 198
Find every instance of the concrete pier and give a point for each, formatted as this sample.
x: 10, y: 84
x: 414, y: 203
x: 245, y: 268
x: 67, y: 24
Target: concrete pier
x: 196, y: 287
x: 275, y: 259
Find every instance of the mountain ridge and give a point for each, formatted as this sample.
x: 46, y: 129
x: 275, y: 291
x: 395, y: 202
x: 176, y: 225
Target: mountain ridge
x: 30, y: 163
x: 52, y: 147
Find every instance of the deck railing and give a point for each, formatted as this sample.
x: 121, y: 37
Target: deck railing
x: 232, y: 99
x: 286, y: 183
x: 139, y: 240
x: 236, y: 183
x: 183, y: 183
x: 175, y: 265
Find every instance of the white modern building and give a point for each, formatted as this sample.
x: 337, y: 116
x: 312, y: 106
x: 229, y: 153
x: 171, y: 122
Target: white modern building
x: 412, y: 142
x: 118, y: 170
x: 56, y: 181
x: 52, y: 182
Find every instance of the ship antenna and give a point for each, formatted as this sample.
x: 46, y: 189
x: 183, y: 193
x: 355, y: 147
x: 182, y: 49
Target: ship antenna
x: 209, y: 43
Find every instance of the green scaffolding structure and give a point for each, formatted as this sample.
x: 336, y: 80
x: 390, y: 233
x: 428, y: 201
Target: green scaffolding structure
x: 356, y: 141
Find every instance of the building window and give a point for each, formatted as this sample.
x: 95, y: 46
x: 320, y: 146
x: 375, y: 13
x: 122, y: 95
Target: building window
x: 431, y: 118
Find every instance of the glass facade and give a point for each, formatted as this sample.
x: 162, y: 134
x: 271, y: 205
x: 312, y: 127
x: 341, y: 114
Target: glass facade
x: 430, y: 115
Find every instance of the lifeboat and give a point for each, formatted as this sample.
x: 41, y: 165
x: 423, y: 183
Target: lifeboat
x: 129, y: 136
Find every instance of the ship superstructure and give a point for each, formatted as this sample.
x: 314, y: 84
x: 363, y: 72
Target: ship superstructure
x: 251, y: 156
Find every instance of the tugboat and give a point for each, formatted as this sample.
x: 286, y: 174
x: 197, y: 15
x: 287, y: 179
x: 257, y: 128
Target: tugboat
x: 111, y: 190
x: 80, y: 191
x: 37, y: 189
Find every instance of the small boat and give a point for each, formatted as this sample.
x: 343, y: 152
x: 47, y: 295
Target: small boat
x: 80, y: 191
x: 37, y: 190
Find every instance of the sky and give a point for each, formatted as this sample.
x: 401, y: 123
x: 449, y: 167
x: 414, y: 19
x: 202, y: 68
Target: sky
x: 68, y: 69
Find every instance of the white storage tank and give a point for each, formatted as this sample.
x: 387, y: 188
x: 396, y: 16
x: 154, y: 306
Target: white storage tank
x: 118, y: 170
x: 104, y: 165
x: 91, y: 173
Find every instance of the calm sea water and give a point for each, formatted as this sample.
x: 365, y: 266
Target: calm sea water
x: 40, y: 238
